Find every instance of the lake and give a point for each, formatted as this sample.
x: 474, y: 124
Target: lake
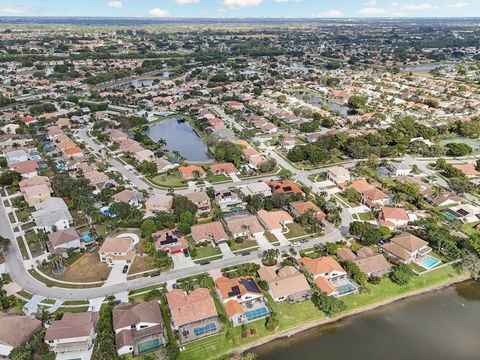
x: 319, y: 101
x: 442, y: 325
x: 181, y: 137
x: 473, y: 143
x: 428, y: 67
x: 134, y: 83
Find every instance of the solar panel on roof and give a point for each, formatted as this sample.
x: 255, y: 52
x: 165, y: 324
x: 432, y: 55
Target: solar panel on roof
x: 250, y: 285
x: 235, y: 291
x: 462, y: 212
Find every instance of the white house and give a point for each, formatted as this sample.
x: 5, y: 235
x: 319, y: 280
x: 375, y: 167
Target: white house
x: 52, y: 214
x: 338, y: 174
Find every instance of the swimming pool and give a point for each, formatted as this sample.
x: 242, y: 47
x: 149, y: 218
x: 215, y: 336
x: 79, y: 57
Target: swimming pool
x: 204, y: 329
x: 345, y: 289
x: 429, y: 262
x: 256, y: 314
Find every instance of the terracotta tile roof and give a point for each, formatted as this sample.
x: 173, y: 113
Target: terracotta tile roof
x: 225, y: 286
x: 303, y: 206
x: 211, y: 231
x: 187, y: 171
x: 373, y: 264
x: 73, y: 150
x: 235, y: 225
x: 274, y: 219
x: 409, y: 241
x: 286, y: 186
x: 321, y: 265
x: 325, y: 285
x: 186, y: 309
x: 466, y: 169
x: 227, y: 168
x: 233, y: 307
x: 393, y: 213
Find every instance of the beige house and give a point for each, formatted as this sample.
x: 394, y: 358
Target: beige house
x: 286, y: 283
x: 338, y: 174
x: 117, y: 251
x: 159, y: 202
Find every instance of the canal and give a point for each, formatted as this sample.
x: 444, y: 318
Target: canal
x: 442, y: 325
x: 181, y: 137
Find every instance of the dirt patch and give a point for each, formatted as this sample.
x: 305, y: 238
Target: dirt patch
x: 87, y: 268
x: 141, y: 264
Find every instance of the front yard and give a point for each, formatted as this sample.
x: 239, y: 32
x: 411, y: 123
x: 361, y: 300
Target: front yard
x: 170, y: 179
x: 141, y: 264
x: 244, y: 244
x: 87, y: 268
x: 295, y: 230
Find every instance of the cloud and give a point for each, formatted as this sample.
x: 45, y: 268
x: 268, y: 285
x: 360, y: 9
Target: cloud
x: 457, y: 5
x: 371, y: 3
x: 414, y: 7
x: 13, y: 9
x: 331, y: 14
x: 158, y: 12
x: 186, y: 2
x: 236, y: 4
x: 372, y: 11
x: 281, y: 1
x: 115, y: 4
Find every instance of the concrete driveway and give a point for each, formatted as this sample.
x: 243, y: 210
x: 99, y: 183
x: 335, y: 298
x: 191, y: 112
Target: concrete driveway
x: 116, y: 276
x: 279, y: 235
x: 180, y: 261
x: 263, y: 242
x: 226, y: 251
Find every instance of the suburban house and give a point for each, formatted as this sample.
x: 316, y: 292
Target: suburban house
x: 119, y: 250
x: 464, y: 213
x: 99, y: 180
x: 27, y: 169
x: 16, y: 330
x: 298, y: 208
x: 144, y: 155
x: 329, y: 276
x: 369, y: 262
x: 210, y: 232
x: 139, y: 328
x: 229, y: 201
x: 244, y: 226
x: 286, y: 187
x: 193, y: 315
x: 16, y: 156
x: 36, y: 193
x: 274, y: 220
x: 338, y: 174
x: 73, y: 336
x: 468, y: 170
x: 224, y: 169
x: 171, y: 241
x: 127, y: 196
x: 192, y: 172
x: 60, y: 241
x: 201, y: 199
x: 158, y: 202
x: 406, y: 247
x: 286, y: 283
x: 242, y: 299
x: 258, y: 188
x: 51, y: 214
x: 393, y: 218
x: 371, y: 196
x: 399, y: 169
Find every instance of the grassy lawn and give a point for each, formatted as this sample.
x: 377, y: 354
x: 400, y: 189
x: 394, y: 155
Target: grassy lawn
x: 272, y: 238
x: 367, y: 216
x: 206, y: 251
x: 141, y: 264
x: 295, y: 230
x: 469, y: 228
x: 294, y: 315
x: 218, y: 178
x: 170, y: 179
x: 51, y: 283
x: 24, y: 214
x: 245, y: 244
x: 76, y: 309
x: 102, y: 230
x: 87, y: 268
x: 21, y: 245
x: 34, y: 244
x: 11, y: 217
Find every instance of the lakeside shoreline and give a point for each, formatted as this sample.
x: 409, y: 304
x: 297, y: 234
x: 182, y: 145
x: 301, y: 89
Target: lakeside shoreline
x: 296, y: 330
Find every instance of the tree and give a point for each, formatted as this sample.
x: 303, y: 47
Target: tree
x: 328, y: 304
x: 148, y: 227
x: 148, y: 168
x: 474, y: 242
x: 471, y: 263
x: 105, y: 344
x: 357, y: 101
x: 4, y: 244
x: 9, y: 178
x: 355, y: 273
x: 401, y: 275
x: 458, y: 149
x: 186, y: 221
x: 181, y: 204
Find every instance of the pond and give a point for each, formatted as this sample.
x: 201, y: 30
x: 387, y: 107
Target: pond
x: 442, y: 325
x: 319, y: 101
x: 180, y: 136
x: 135, y: 83
x: 473, y: 143
x: 428, y: 67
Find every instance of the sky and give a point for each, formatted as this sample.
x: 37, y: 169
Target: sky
x: 242, y: 8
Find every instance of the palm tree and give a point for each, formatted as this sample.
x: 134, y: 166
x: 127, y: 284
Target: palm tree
x: 57, y: 261
x: 162, y: 142
x: 4, y: 244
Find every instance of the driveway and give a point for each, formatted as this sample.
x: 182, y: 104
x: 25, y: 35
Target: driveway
x: 116, y: 276
x: 279, y: 235
x: 235, y: 178
x: 263, y: 242
x: 226, y: 251
x: 180, y: 261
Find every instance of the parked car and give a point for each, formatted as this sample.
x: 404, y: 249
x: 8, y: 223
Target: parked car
x: 304, y: 241
x: 245, y: 253
x: 125, y: 269
x: 155, y: 273
x: 296, y: 244
x: 185, y: 252
x: 206, y: 262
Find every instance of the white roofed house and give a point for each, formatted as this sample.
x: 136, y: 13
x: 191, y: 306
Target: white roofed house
x: 338, y: 174
x: 52, y: 215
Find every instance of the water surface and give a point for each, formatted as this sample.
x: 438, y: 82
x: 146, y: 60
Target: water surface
x: 181, y: 137
x: 442, y: 325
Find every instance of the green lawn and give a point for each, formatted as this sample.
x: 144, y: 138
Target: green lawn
x: 272, y: 238
x: 206, y: 251
x: 24, y: 214
x: 296, y: 230
x: 170, y: 179
x: 294, y: 315
x: 245, y: 244
x: 33, y: 244
x: 469, y: 228
x: 367, y: 216
x: 21, y: 245
x: 218, y: 178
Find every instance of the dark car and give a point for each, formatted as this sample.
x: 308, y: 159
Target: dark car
x: 206, y: 262
x: 125, y: 269
x: 185, y: 252
x: 304, y: 241
x: 155, y: 273
x: 245, y: 253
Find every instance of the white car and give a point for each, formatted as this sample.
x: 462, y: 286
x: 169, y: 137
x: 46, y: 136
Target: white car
x: 296, y: 244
